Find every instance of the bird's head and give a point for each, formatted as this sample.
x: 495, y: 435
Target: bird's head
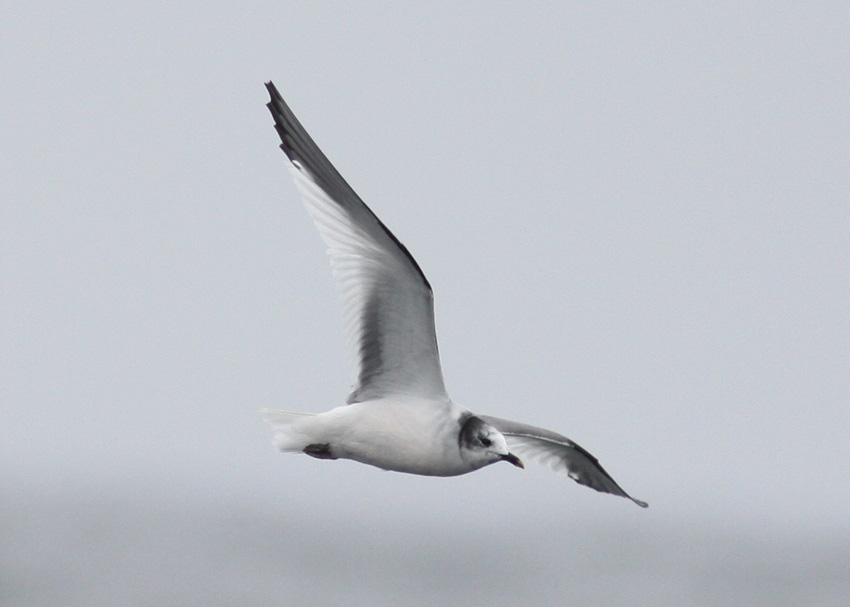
x: 481, y: 444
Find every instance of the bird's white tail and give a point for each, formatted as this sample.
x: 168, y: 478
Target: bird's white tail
x: 288, y: 437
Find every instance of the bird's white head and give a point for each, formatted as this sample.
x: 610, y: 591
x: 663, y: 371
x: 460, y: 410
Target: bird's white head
x: 481, y: 444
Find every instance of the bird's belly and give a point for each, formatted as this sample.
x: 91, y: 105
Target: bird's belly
x: 389, y: 457
x: 411, y: 439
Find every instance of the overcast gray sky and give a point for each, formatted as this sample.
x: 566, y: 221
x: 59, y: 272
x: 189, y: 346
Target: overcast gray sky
x: 635, y: 220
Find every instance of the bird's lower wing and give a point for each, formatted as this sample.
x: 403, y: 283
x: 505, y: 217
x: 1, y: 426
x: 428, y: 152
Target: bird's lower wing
x: 560, y: 453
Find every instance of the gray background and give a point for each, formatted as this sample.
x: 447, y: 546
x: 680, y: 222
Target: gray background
x: 635, y: 220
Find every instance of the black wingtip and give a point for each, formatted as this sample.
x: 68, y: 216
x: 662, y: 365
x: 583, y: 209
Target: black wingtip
x: 284, y: 119
x: 272, y: 89
x: 300, y: 148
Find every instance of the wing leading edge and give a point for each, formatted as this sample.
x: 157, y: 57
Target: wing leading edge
x: 388, y: 303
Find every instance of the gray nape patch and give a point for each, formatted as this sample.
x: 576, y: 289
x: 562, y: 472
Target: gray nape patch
x: 469, y: 428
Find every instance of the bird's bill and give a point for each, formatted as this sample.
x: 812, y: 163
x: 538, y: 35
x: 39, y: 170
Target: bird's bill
x: 510, y: 457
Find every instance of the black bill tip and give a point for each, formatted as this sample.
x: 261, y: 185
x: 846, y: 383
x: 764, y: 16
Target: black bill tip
x: 510, y: 457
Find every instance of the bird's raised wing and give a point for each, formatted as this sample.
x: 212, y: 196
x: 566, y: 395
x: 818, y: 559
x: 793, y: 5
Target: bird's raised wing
x: 559, y: 452
x: 388, y: 303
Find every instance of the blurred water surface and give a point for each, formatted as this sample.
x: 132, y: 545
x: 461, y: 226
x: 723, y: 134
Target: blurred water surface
x: 93, y: 549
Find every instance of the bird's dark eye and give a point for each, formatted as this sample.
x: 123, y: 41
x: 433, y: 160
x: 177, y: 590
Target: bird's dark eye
x: 486, y: 442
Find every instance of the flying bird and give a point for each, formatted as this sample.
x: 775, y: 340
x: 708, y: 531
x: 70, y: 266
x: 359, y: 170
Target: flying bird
x: 398, y: 416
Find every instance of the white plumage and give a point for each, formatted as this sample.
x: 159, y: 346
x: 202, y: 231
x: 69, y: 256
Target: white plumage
x: 399, y: 416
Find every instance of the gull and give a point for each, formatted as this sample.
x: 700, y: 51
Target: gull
x: 399, y: 416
